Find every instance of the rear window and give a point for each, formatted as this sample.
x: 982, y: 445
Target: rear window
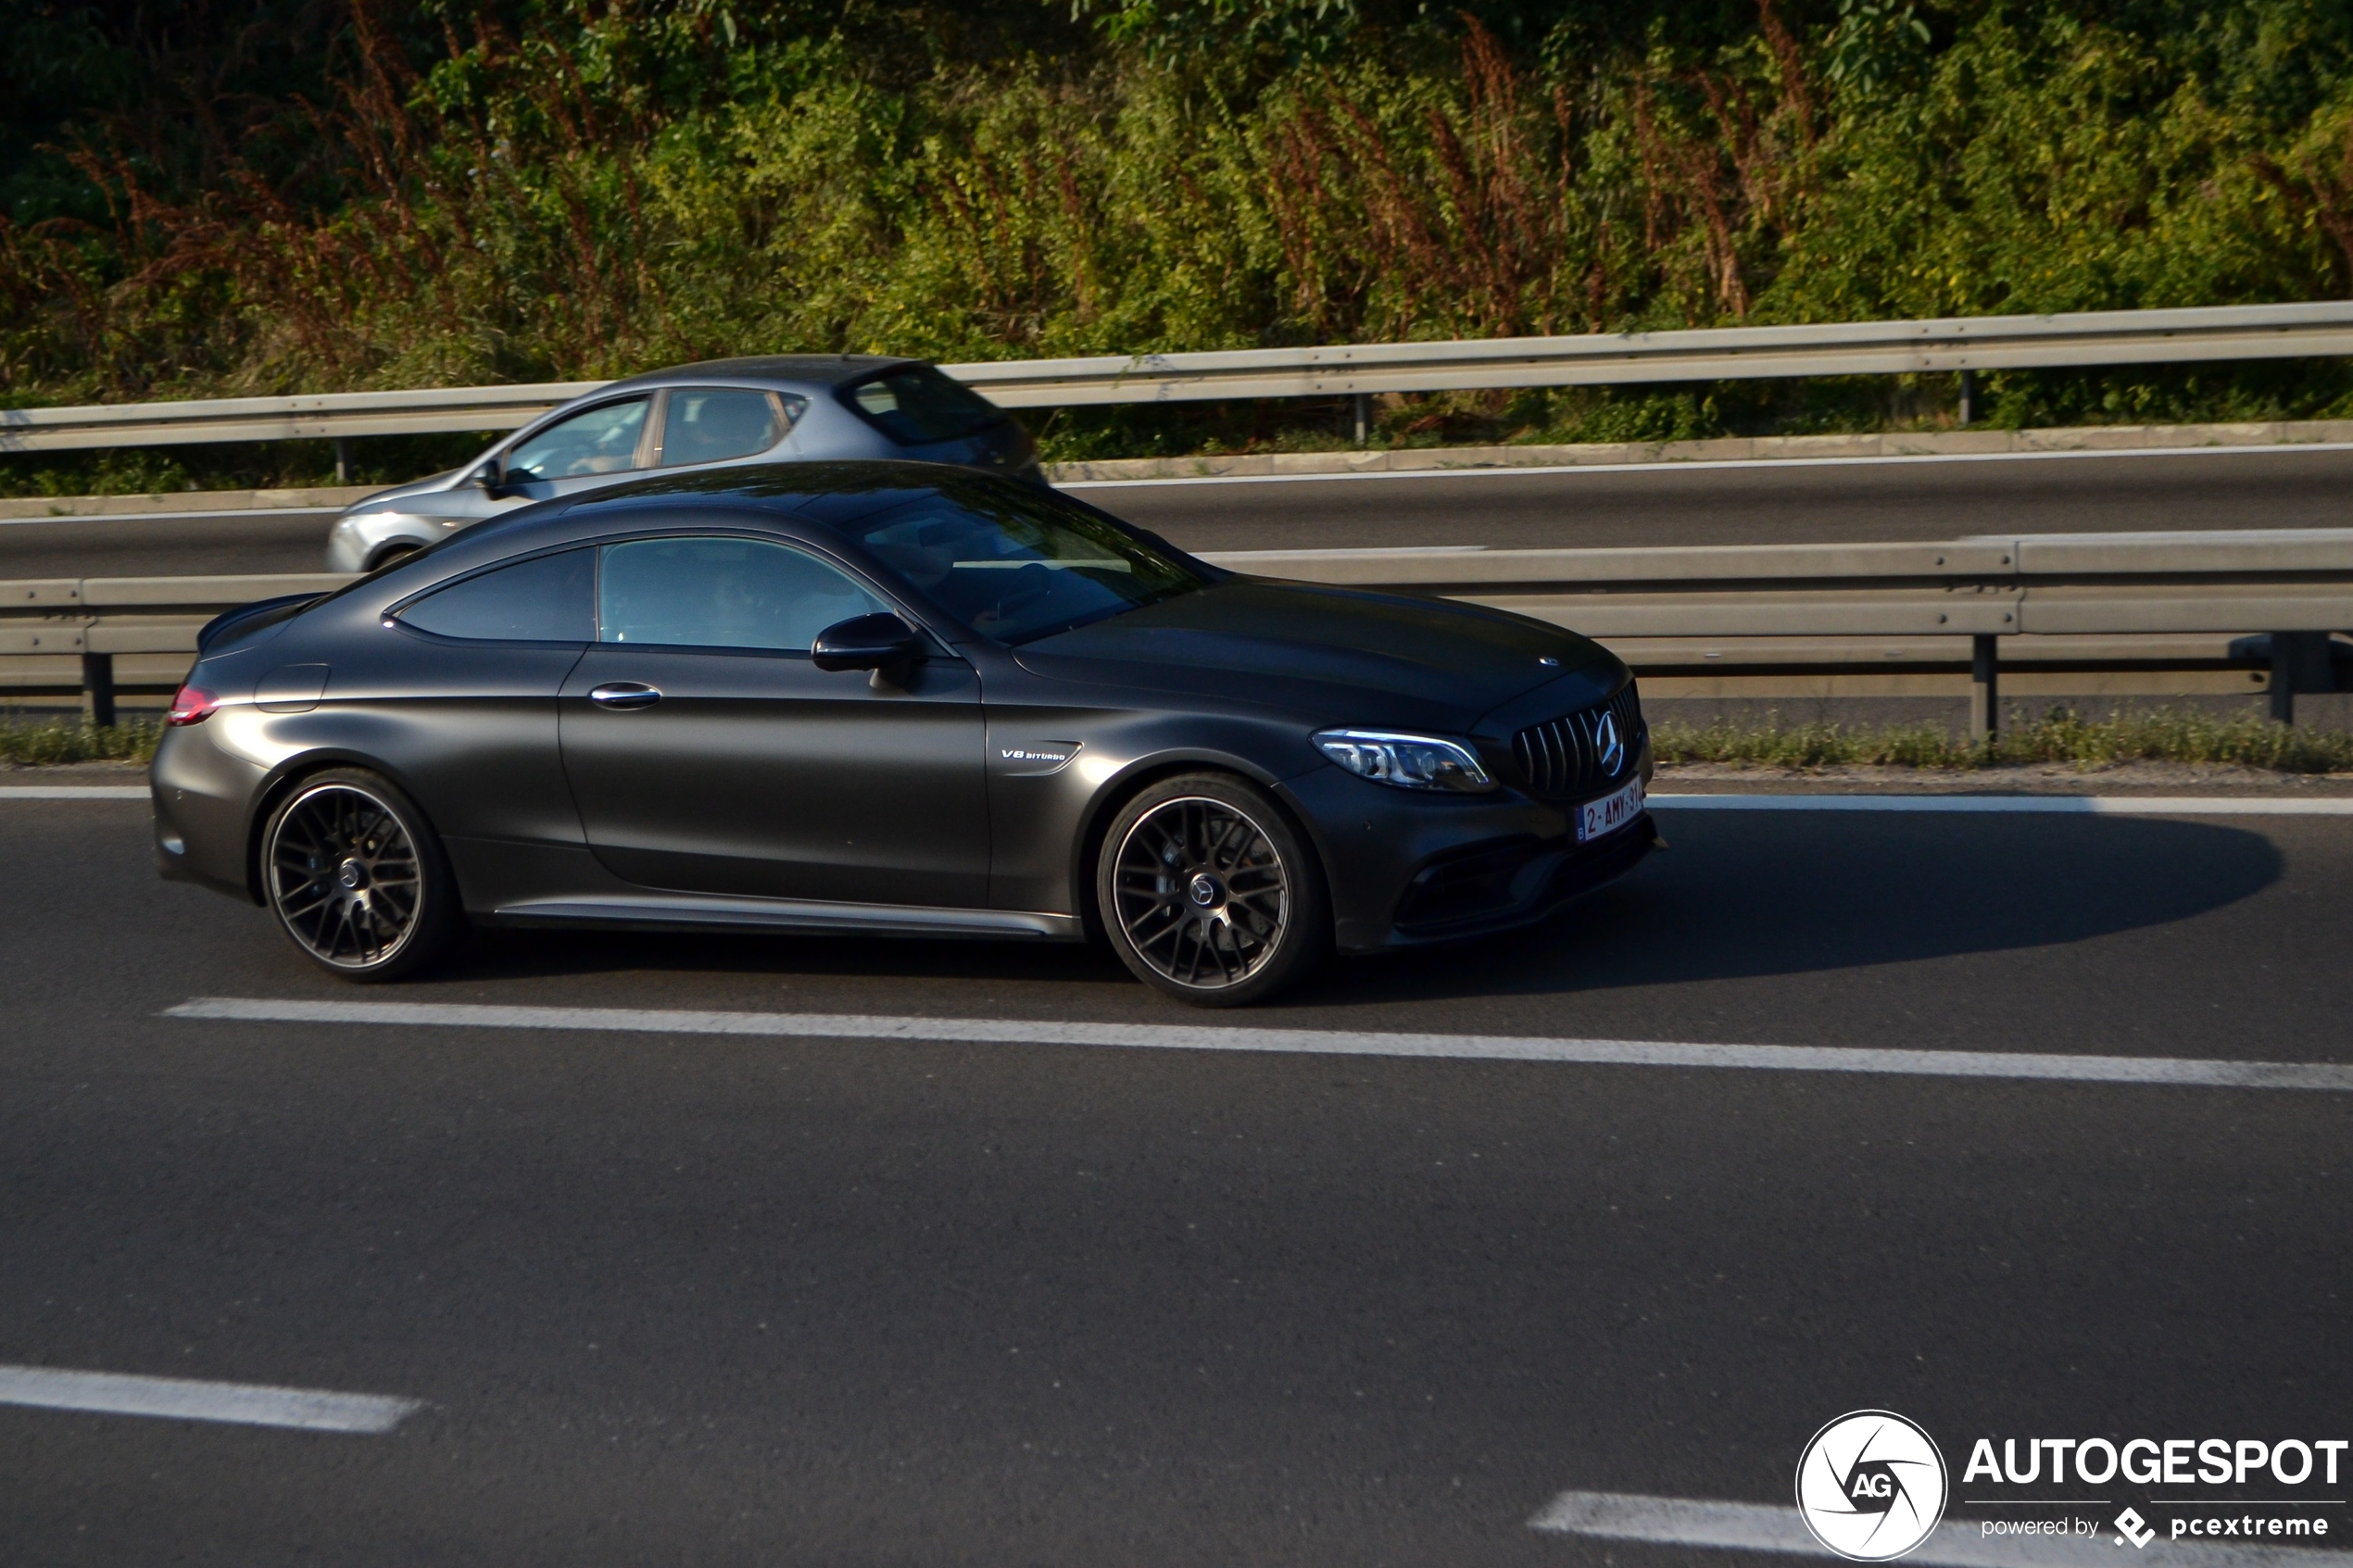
x: 550, y: 599
x: 917, y: 405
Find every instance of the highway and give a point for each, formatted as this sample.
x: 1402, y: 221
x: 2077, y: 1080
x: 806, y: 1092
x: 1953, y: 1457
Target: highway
x: 801, y: 1297
x: 1764, y: 502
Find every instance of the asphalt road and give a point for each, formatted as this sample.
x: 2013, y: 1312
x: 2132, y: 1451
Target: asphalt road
x: 191, y: 545
x: 1664, y: 504
x: 692, y: 1299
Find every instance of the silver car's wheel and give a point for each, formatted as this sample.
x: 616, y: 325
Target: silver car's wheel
x: 354, y: 879
x: 1207, y: 893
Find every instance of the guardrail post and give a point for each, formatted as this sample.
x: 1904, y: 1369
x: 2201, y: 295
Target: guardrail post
x: 1984, y: 688
x: 2300, y: 662
x: 97, y: 686
x: 1364, y: 401
x: 1968, y: 397
x: 343, y: 459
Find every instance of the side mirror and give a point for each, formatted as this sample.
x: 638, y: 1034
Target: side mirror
x: 492, y: 475
x: 879, y: 643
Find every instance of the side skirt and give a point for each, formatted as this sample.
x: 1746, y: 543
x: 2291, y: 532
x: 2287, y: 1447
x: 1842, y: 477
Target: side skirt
x: 672, y: 911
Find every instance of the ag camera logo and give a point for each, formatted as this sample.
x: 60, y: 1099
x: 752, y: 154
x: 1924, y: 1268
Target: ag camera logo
x: 1870, y: 1485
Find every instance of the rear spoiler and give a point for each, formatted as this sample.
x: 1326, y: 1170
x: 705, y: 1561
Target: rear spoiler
x: 253, y: 617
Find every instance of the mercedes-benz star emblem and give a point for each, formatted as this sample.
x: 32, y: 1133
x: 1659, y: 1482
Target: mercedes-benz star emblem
x: 1608, y: 745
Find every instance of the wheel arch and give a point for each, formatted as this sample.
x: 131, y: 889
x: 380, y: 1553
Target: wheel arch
x: 288, y: 776
x: 391, y: 552
x: 1124, y: 786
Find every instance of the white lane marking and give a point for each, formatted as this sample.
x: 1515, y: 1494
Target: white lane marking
x: 1710, y: 465
x: 1307, y: 1042
x: 175, y: 517
x: 73, y: 792
x: 2064, y: 805
x: 1957, y: 1543
x: 183, y: 1398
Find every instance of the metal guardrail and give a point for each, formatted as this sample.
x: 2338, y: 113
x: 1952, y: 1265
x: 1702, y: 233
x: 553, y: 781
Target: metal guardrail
x: 2064, y: 602
x: 1962, y: 344
x: 1983, y: 343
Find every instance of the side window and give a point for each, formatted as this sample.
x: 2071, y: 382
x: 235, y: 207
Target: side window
x: 602, y: 440
x: 722, y: 593
x: 546, y: 600
x: 706, y: 426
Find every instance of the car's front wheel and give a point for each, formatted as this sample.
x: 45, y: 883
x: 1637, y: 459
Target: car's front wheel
x: 1208, y: 894
x: 356, y: 878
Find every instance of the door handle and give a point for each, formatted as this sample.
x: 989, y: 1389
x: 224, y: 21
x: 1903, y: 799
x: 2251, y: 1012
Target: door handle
x: 625, y: 694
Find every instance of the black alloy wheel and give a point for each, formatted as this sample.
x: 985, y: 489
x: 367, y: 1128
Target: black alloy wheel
x: 1208, y: 894
x: 356, y: 878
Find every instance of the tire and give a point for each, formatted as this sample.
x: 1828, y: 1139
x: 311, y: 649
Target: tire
x: 392, y: 556
x: 1209, y: 894
x: 356, y: 878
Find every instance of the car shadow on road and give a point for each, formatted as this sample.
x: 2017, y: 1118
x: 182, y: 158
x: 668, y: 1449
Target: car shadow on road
x: 1740, y: 896
x: 1747, y: 895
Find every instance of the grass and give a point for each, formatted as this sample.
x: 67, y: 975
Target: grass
x: 60, y: 740
x: 2060, y: 735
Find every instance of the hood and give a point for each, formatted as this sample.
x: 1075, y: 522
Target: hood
x: 429, y: 485
x: 1336, y: 656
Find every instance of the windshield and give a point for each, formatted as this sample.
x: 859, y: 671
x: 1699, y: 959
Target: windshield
x: 1016, y: 564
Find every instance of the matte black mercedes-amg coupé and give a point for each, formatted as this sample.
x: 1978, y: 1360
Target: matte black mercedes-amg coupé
x: 891, y: 698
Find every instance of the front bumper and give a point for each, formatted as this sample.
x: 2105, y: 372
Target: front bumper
x: 1518, y: 883
x: 1406, y: 868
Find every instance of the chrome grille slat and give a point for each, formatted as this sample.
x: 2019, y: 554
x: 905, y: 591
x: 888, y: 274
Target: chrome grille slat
x: 1562, y: 756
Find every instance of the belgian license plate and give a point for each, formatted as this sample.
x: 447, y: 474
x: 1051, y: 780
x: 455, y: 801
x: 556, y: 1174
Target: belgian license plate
x: 1609, y: 813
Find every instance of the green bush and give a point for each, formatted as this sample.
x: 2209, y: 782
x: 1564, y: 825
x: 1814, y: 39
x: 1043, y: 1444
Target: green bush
x: 413, y: 195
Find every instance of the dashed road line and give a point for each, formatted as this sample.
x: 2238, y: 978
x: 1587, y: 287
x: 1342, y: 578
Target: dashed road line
x: 1957, y: 1543
x: 182, y: 1398
x: 2172, y: 1071
x: 73, y: 792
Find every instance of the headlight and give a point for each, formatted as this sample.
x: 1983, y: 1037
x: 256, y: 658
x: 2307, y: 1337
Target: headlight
x: 1407, y: 761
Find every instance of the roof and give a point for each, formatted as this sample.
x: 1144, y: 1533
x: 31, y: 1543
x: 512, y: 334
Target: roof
x: 783, y: 370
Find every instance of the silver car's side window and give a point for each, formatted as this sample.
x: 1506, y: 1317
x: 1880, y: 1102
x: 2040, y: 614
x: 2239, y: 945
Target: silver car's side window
x: 722, y: 593
x: 602, y: 440
x: 712, y: 425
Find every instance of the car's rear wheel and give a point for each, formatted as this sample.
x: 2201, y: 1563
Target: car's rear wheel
x: 1208, y: 894
x: 356, y: 878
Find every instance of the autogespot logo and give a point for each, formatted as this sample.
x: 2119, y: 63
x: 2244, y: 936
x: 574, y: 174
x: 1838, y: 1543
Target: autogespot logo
x: 1870, y: 1485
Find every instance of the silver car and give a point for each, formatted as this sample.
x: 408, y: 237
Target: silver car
x: 724, y: 411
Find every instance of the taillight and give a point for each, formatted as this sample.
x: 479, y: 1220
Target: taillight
x: 191, y: 705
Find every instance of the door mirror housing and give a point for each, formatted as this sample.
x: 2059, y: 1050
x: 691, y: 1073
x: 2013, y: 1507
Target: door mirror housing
x: 492, y: 475
x: 879, y: 643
